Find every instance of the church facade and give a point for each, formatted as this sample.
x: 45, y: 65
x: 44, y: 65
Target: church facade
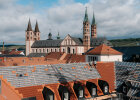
x: 69, y: 44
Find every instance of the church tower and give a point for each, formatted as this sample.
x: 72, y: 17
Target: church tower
x: 93, y: 28
x: 86, y: 32
x: 29, y: 38
x: 36, y: 32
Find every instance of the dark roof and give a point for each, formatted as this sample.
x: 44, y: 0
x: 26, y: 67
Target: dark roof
x: 29, y: 28
x: 36, y: 27
x: 128, y: 52
x: 37, y: 54
x: 78, y: 41
x: 93, y: 20
x: 98, y: 41
x: 125, y: 71
x: 9, y: 55
x: 47, y: 43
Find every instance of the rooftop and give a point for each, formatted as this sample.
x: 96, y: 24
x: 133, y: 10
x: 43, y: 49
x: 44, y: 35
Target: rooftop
x: 103, y: 50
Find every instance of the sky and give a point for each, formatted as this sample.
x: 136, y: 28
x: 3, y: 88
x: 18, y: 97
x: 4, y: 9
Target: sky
x: 114, y: 18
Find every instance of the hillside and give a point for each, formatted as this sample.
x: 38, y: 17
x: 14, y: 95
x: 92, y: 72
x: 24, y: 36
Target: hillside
x: 125, y: 42
x: 9, y: 47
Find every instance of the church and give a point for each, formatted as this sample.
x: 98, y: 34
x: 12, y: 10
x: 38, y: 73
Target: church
x: 68, y: 45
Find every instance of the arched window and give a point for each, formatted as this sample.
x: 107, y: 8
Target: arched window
x: 48, y: 94
x: 73, y: 51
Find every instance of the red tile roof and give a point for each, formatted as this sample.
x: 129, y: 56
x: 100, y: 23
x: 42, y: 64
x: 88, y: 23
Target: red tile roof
x: 103, y: 50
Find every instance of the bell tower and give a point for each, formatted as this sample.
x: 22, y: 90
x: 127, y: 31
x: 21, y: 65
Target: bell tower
x: 29, y: 38
x: 93, y: 28
x: 86, y: 32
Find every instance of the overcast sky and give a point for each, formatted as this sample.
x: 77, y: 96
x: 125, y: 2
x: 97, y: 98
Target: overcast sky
x: 114, y: 18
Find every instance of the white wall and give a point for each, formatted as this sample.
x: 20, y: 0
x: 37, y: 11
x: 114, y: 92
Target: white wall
x: 105, y: 58
x: 28, y: 47
x: 108, y: 58
x: 45, y: 50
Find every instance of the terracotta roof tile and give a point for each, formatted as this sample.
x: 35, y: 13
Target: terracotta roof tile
x: 104, y: 50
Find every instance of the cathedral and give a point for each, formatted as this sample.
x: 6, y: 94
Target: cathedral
x: 69, y: 45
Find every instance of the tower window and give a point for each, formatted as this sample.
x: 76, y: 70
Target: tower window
x: 27, y: 38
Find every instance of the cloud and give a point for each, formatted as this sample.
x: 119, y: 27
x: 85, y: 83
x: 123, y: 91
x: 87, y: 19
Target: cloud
x: 115, y: 19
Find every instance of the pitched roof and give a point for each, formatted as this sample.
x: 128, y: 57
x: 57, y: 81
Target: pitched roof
x: 78, y: 41
x: 104, y: 50
x: 37, y: 55
x: 29, y: 28
x: 47, y: 43
x: 98, y: 41
x: 36, y: 27
x: 47, y: 74
x: 86, y: 16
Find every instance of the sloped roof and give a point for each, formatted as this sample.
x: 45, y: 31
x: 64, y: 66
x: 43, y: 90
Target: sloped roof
x: 103, y: 50
x: 78, y: 41
x: 47, y: 74
x: 98, y: 41
x: 47, y: 43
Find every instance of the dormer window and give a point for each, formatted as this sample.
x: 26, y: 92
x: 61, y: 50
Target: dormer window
x: 81, y: 93
x: 93, y: 91
x: 124, y: 89
x: 106, y: 89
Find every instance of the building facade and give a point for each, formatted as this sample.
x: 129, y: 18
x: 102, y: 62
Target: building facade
x: 69, y: 44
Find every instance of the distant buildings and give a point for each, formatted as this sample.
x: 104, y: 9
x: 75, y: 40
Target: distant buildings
x: 69, y: 44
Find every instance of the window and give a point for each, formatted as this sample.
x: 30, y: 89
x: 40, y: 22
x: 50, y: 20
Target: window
x: 55, y: 50
x: 124, y: 89
x: 73, y: 51
x: 33, y: 50
x: 63, y: 50
x: 93, y: 91
x: 81, y: 92
x: 50, y: 97
x: 44, y: 50
x: 51, y: 50
x: 47, y: 50
x: 36, y: 50
x: 66, y: 96
x: 40, y: 50
x: 106, y: 89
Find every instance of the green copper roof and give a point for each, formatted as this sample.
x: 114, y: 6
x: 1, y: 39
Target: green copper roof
x: 86, y: 16
x: 50, y: 34
x: 58, y: 37
x: 93, y: 20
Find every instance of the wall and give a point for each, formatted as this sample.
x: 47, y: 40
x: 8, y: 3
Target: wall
x: 108, y: 58
x: 8, y: 92
x: 45, y: 50
x: 28, y: 47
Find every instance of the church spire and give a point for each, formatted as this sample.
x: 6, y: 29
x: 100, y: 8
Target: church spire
x: 93, y: 20
x: 86, y: 16
x: 36, y: 27
x: 29, y: 28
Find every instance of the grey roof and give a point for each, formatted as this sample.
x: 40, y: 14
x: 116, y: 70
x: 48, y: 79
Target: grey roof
x: 47, y: 43
x: 56, y: 74
x: 37, y: 55
x: 98, y: 41
x: 126, y: 71
x: 78, y: 41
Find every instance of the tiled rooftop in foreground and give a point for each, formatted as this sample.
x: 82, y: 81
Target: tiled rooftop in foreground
x: 22, y: 76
